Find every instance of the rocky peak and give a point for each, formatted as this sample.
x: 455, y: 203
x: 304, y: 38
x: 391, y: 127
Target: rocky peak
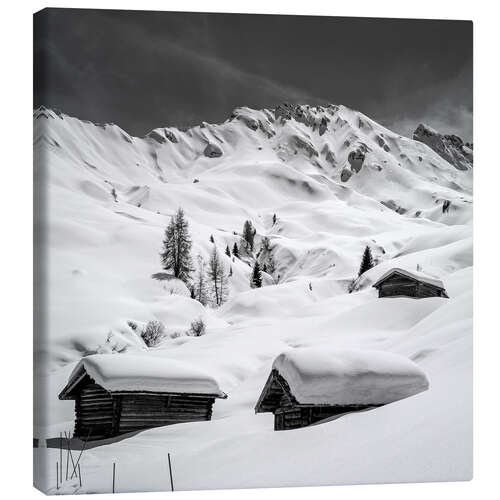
x: 450, y: 147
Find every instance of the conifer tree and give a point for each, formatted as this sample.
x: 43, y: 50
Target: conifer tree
x: 200, y: 285
x: 230, y: 270
x: 218, y: 279
x: 366, y: 261
x: 236, y: 252
x: 228, y: 252
x: 274, y: 219
x: 212, y: 238
x: 176, y: 253
x: 249, y: 234
x: 256, y: 278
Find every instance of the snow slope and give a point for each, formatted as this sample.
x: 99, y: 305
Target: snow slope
x: 337, y: 182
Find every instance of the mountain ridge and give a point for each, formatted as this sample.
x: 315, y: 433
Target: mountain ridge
x: 333, y: 142
x: 314, y: 116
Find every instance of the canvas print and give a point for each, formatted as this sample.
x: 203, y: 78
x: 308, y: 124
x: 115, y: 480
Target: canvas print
x: 253, y: 251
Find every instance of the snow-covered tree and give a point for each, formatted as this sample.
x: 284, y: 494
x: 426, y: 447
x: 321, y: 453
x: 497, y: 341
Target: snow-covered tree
x: 200, y: 284
x: 218, y: 285
x: 228, y: 251
x: 266, y: 256
x: 176, y: 252
x: 249, y: 234
x: 366, y: 261
x: 256, y: 278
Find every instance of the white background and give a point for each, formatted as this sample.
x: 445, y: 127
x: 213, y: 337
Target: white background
x: 16, y: 238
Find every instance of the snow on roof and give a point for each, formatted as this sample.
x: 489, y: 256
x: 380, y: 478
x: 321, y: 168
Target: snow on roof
x: 344, y: 377
x: 416, y: 275
x: 124, y: 373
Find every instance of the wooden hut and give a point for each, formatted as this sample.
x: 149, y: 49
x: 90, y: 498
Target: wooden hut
x: 307, y: 385
x: 402, y: 283
x: 116, y: 394
x: 277, y: 398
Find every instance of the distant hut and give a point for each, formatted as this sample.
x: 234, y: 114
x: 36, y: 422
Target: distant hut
x: 307, y: 385
x: 402, y: 283
x: 117, y: 393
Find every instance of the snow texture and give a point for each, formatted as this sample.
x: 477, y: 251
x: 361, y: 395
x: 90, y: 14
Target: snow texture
x: 123, y: 373
x: 409, y: 204
x: 349, y: 377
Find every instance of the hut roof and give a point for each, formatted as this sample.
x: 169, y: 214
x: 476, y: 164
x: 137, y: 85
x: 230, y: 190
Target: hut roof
x: 413, y: 275
x: 347, y: 377
x: 126, y: 373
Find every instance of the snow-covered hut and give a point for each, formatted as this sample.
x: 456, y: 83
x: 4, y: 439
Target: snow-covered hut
x: 399, y: 282
x: 307, y: 385
x: 119, y: 393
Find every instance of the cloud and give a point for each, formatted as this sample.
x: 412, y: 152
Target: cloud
x: 443, y: 103
x: 144, y: 70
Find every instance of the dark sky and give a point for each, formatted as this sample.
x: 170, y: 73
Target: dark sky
x: 143, y: 70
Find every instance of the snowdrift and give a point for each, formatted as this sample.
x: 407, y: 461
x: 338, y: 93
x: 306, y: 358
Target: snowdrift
x: 349, y: 377
x: 144, y: 373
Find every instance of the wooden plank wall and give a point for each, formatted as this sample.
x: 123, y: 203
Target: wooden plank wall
x: 295, y: 417
x: 398, y: 285
x: 94, y: 413
x: 276, y: 394
x: 145, y: 411
x: 103, y: 415
x: 425, y: 290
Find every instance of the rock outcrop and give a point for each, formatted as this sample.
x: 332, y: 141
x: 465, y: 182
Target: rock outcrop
x: 450, y: 147
x: 305, y: 145
x: 161, y: 135
x: 346, y: 174
x: 212, y: 151
x: 356, y: 159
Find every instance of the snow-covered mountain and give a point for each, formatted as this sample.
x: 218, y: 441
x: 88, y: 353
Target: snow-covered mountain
x: 337, y: 181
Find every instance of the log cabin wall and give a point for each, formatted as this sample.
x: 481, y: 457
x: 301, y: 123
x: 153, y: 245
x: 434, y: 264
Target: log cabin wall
x: 276, y: 393
x: 425, y: 290
x: 294, y: 417
x: 95, y: 413
x: 140, y: 411
x: 100, y: 415
x: 398, y: 285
